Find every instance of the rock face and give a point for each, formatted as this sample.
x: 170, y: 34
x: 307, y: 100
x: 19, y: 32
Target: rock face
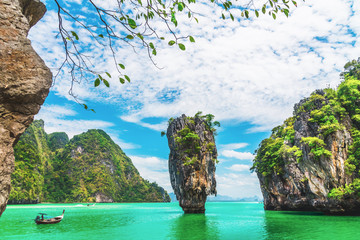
x: 25, y: 81
x: 305, y: 165
x: 32, y: 159
x: 191, y: 162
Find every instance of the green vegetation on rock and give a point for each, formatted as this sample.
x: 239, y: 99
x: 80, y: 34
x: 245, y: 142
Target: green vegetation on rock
x: 317, y: 147
x: 326, y: 112
x: 88, y: 168
x: 188, y: 140
x: 31, y: 155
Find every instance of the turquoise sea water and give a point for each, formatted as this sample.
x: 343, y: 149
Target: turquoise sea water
x: 167, y: 221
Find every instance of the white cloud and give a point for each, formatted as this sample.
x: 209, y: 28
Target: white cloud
x: 238, y: 155
x: 55, y: 120
x: 121, y: 143
x: 135, y: 119
x: 238, y: 185
x: 239, y: 168
x: 233, y: 146
x: 61, y: 119
x: 153, y: 169
x: 246, y: 70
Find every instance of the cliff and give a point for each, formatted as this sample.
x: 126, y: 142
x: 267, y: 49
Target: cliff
x: 88, y: 168
x: 311, y: 162
x: 32, y: 154
x: 192, y: 161
x: 25, y: 81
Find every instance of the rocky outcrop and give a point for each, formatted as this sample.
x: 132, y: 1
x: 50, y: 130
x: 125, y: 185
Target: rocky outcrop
x: 93, y: 168
x: 25, y: 81
x: 307, y: 157
x: 191, y: 162
x: 88, y: 168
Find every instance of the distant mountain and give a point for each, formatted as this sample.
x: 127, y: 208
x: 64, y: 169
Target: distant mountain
x: 88, y: 168
x: 222, y: 198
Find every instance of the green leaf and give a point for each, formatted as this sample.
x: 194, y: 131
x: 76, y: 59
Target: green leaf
x: 263, y: 9
x: 127, y: 78
x: 191, y: 39
x: 154, y: 52
x: 162, y: 38
x: 173, y: 18
x: 108, y: 74
x: 100, y: 35
x: 223, y: 16
x: 246, y: 13
x: 295, y: 4
x: 97, y: 82
x: 151, y: 45
x: 106, y: 83
x: 122, y: 80
x: 122, y: 66
x: 256, y: 13
x: 182, y: 46
x: 75, y: 35
x: 232, y: 17
x: 130, y: 37
x: 181, y: 6
x: 140, y: 36
x: 171, y: 42
x: 92, y: 110
x: 274, y: 15
x: 286, y: 12
x: 132, y: 23
x: 196, y: 20
x: 85, y: 106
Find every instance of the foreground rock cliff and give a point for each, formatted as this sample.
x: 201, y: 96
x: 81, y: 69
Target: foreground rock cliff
x: 88, y: 168
x: 192, y: 161
x: 24, y: 84
x: 312, y: 161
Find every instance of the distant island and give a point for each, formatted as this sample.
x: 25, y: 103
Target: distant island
x: 223, y: 198
x: 88, y: 168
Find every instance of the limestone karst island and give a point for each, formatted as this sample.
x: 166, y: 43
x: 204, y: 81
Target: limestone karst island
x: 172, y: 120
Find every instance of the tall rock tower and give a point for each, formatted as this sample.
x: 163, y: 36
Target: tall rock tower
x: 192, y: 161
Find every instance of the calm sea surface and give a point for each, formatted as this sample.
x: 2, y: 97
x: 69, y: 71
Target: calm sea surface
x: 166, y: 221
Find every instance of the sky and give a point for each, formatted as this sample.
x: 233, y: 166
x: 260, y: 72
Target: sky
x: 249, y: 73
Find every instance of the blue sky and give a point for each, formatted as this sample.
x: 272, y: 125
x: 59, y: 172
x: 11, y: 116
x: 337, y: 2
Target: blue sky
x: 248, y: 73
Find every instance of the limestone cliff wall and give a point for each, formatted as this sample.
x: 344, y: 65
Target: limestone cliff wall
x: 25, y: 81
x: 191, y: 162
x: 303, y: 183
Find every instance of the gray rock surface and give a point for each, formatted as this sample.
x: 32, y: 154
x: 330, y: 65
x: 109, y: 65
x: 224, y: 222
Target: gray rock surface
x: 305, y: 185
x: 192, y: 182
x: 25, y: 81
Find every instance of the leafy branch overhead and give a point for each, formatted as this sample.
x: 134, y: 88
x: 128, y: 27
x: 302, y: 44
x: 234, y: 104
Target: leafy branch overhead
x: 132, y: 23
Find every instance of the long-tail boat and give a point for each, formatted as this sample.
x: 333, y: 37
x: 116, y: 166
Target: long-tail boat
x: 40, y: 219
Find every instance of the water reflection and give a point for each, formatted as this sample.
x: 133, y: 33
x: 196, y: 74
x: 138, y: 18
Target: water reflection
x: 194, y: 226
x: 309, y: 225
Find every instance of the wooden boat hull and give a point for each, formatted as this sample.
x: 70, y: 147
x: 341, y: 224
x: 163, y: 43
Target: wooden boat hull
x: 54, y: 220
x: 47, y: 221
